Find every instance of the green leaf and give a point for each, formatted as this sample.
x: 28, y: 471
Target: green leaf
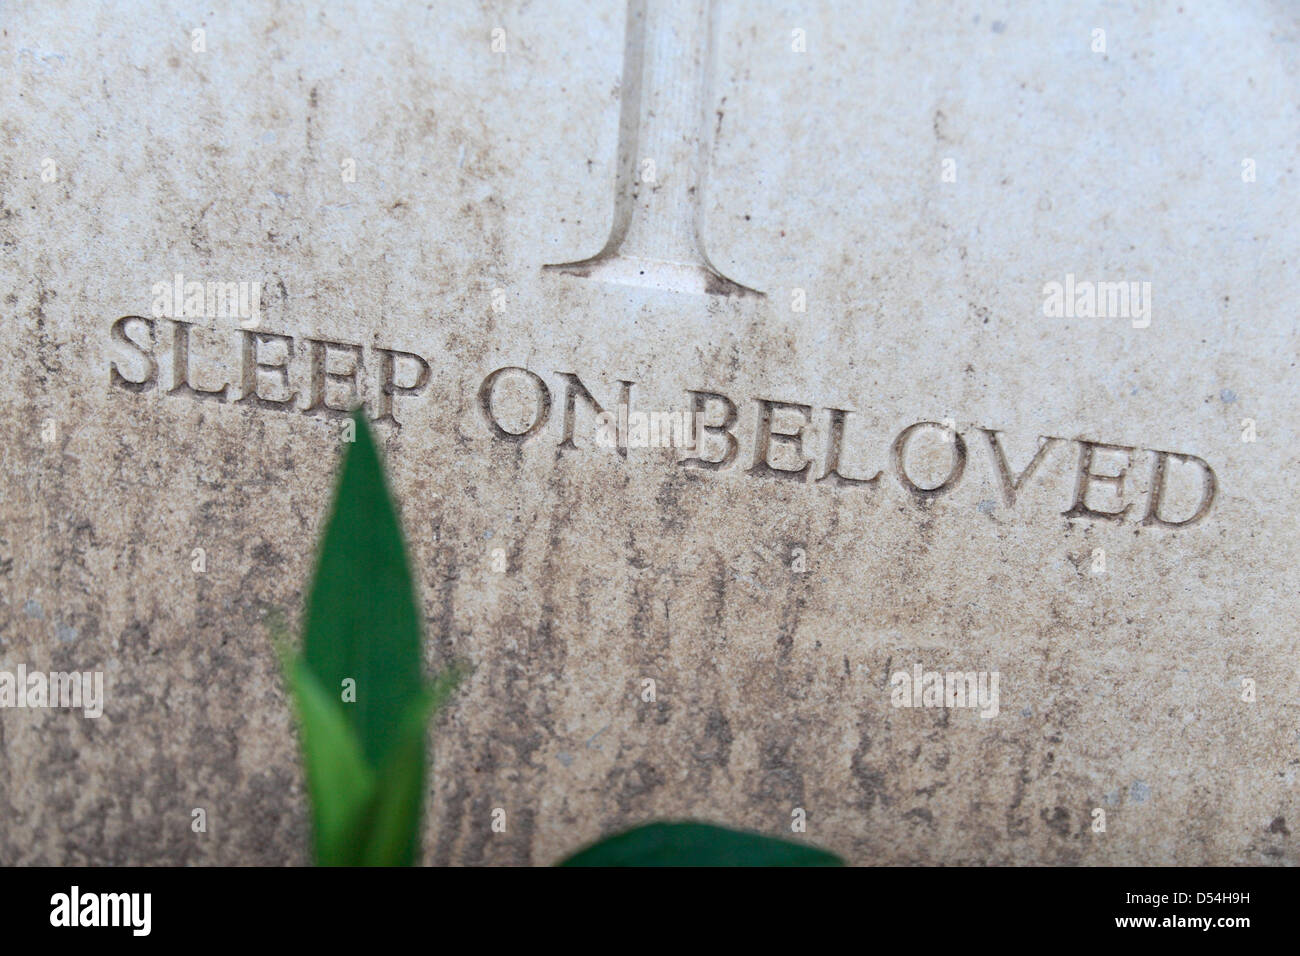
x: 698, y: 844
x: 340, y: 785
x: 394, y: 838
x: 362, y: 620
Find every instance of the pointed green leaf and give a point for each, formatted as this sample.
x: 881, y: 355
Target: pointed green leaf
x: 362, y: 620
x: 339, y: 783
x: 698, y: 844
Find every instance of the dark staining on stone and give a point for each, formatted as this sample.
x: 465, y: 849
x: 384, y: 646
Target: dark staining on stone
x: 720, y: 285
x: 713, y: 747
x: 632, y: 785
x: 921, y: 816
x: 780, y: 779
x: 1057, y: 820
x: 869, y: 778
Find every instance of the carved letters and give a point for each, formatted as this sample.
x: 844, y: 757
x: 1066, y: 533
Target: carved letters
x: 323, y: 377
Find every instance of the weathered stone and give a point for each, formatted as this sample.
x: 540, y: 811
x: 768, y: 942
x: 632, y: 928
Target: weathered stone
x: 867, y: 259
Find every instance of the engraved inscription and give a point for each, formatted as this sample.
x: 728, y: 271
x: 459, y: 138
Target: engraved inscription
x: 325, y: 377
x: 779, y: 450
x: 319, y: 377
x: 663, y: 153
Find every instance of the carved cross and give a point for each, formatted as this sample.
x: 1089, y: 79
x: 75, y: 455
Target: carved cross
x: 663, y: 152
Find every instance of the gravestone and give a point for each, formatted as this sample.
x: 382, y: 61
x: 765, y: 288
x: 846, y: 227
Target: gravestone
x: 744, y: 372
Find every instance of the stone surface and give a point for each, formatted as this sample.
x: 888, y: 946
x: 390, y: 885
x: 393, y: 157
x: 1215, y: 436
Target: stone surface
x: 818, y: 179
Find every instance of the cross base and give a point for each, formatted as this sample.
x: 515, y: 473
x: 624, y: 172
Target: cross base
x: 655, y: 274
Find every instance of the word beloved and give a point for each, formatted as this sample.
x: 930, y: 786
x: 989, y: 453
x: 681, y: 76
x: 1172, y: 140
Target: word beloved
x: 782, y: 427
x: 274, y: 370
x: 102, y: 909
x: 57, y: 689
x: 923, y: 688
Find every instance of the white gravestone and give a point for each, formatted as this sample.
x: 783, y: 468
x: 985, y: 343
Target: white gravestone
x: 872, y: 424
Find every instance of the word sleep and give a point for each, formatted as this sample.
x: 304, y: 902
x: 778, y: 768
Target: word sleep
x: 315, y: 375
